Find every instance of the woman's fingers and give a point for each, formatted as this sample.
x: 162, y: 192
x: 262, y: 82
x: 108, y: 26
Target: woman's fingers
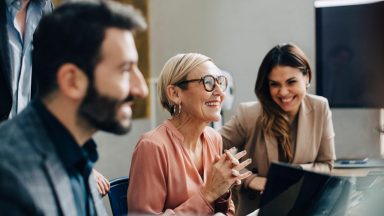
x: 101, y: 182
x: 243, y: 164
x: 106, y: 186
x: 231, y: 158
x: 225, y: 172
x: 245, y: 175
x: 233, y: 150
x: 234, y: 158
x: 235, y: 173
x: 240, y: 154
x: 238, y: 182
x: 102, y: 186
x: 99, y: 189
x: 240, y: 176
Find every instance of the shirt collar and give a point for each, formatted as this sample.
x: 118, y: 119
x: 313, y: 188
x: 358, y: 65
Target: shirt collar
x: 69, y: 151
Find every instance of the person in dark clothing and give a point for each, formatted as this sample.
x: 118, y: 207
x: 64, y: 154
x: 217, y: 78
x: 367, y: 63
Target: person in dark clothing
x: 85, y: 64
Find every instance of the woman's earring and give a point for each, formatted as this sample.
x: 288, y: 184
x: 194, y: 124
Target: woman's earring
x: 179, y: 109
x: 176, y: 111
x: 308, y: 85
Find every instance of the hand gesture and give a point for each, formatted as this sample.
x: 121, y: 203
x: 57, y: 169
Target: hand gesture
x: 224, y: 173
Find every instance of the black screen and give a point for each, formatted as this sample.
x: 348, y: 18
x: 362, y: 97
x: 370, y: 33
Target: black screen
x: 350, y: 54
x: 291, y: 191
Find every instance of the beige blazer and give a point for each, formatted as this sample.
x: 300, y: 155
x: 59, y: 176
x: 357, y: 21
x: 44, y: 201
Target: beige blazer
x: 314, y: 142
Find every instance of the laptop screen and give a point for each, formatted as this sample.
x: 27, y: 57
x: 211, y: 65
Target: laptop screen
x: 293, y: 191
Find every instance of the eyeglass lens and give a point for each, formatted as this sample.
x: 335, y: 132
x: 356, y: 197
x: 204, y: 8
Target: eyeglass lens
x: 210, y: 82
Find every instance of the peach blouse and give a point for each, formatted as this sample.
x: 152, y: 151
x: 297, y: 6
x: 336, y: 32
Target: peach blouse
x: 165, y: 180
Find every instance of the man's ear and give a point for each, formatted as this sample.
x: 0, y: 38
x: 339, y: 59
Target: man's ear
x: 174, y: 94
x: 72, y: 81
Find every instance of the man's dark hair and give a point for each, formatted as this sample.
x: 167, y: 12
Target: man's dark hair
x: 74, y: 33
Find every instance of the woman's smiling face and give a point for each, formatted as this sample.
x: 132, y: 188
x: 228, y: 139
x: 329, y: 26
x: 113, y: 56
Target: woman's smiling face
x: 196, y: 101
x: 287, y: 86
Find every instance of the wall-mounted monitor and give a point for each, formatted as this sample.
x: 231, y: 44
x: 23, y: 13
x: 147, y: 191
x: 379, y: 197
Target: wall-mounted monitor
x: 350, y: 52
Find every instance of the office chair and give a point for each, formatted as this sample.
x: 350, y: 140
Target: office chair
x: 118, y: 196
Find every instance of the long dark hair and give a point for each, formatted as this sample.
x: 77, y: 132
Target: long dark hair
x: 274, y: 120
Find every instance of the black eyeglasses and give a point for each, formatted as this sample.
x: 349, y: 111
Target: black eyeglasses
x: 209, y: 82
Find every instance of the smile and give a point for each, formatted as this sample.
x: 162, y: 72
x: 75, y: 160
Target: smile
x: 213, y: 103
x: 287, y: 100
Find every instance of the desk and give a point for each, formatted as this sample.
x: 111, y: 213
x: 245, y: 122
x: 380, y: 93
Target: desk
x: 353, y: 171
x: 364, y: 202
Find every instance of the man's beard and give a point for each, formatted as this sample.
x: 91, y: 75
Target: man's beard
x: 101, y: 112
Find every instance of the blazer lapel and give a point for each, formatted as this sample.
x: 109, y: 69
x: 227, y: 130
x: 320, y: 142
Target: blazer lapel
x: 51, y: 162
x: 54, y: 168
x: 304, y: 130
x: 61, y: 184
x: 272, y: 148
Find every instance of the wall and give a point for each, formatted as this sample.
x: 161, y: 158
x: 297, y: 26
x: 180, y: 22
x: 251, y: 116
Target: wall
x: 237, y: 35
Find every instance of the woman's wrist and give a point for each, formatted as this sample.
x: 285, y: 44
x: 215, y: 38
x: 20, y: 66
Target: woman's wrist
x: 225, y: 196
x: 207, y: 195
x: 248, y: 180
x: 258, y: 183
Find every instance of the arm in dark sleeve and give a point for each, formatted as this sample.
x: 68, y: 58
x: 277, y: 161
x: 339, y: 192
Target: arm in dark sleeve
x: 14, y: 197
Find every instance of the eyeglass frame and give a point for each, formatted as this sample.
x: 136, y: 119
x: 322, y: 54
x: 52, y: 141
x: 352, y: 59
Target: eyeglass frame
x: 216, y: 83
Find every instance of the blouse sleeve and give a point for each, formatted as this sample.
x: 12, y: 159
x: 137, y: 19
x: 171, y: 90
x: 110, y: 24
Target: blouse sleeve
x: 148, y: 187
x: 225, y: 205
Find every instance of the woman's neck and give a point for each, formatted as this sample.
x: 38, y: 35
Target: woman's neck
x: 190, y: 130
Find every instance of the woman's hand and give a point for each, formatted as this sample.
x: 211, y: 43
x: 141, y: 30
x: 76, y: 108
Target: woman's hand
x: 258, y: 183
x: 237, y: 167
x: 101, y: 182
x: 225, y: 172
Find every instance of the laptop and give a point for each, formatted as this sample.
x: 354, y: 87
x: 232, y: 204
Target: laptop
x: 292, y: 191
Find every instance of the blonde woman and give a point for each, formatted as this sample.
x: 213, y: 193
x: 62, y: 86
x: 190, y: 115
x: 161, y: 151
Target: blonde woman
x: 177, y: 168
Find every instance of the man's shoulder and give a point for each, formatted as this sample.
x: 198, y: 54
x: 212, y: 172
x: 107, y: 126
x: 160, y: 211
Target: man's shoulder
x: 26, y: 121
x: 28, y: 161
x: 19, y: 135
x: 19, y: 159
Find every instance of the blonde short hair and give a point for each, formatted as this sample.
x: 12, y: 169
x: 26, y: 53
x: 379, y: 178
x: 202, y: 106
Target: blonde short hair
x: 176, y: 70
